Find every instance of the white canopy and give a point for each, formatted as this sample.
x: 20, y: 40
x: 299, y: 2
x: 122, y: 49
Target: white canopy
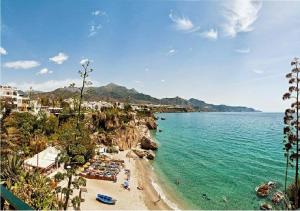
x: 44, y: 159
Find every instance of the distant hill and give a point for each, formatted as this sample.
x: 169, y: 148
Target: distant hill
x: 202, y: 106
x: 113, y: 92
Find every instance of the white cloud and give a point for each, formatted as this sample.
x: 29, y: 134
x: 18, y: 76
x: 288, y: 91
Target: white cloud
x: 182, y: 23
x: 243, y: 50
x: 94, y: 28
x: 59, y: 58
x: 211, y: 34
x: 83, y: 61
x: 257, y: 71
x: 240, y: 15
x: 172, y: 52
x: 98, y: 13
x: 162, y: 80
x: 44, y: 71
x: 2, y: 51
x: 22, y: 64
x: 49, y: 85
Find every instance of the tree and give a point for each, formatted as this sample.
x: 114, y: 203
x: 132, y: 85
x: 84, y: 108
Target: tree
x: 83, y: 74
x: 76, y: 145
x: 27, y: 132
x: 77, y: 152
x: 36, y: 190
x: 19, y: 128
x: 6, y: 105
x: 51, y: 125
x: 12, y: 169
x: 292, y: 125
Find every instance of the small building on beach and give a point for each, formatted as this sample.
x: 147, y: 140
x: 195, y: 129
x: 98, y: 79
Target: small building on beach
x: 45, y: 160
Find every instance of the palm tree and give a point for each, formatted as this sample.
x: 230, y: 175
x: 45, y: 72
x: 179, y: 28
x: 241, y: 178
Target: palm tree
x: 12, y: 169
x: 35, y: 189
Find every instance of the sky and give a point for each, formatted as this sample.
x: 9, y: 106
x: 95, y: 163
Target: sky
x: 233, y: 52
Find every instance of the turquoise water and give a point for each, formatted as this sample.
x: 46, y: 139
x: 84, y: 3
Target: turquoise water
x: 222, y: 155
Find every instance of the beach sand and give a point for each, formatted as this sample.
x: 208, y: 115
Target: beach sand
x: 151, y: 197
x: 141, y: 175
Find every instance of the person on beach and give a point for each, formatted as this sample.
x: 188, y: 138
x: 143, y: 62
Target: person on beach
x: 159, y: 198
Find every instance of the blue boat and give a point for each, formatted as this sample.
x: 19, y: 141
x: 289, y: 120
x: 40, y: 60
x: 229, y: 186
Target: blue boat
x: 105, y: 199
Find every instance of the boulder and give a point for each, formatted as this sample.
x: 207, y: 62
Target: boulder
x: 151, y: 124
x: 147, y: 143
x: 277, y: 197
x: 150, y: 155
x: 265, y: 206
x: 139, y: 153
x: 264, y: 189
x: 130, y: 154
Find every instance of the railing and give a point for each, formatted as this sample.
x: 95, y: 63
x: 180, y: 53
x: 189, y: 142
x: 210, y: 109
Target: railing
x: 13, y: 200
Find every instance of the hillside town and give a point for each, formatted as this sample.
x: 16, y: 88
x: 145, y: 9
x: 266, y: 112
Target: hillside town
x: 21, y: 101
x: 109, y: 133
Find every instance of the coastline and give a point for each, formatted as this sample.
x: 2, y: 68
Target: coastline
x: 142, y: 175
x: 154, y: 190
x: 153, y: 199
x: 150, y: 195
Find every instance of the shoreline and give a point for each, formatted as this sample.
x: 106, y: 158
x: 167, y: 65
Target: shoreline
x: 146, y: 189
x: 161, y: 184
x: 153, y: 191
x: 152, y: 197
x: 147, y: 176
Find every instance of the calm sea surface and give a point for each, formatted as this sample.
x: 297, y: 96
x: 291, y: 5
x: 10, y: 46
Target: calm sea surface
x: 219, y: 158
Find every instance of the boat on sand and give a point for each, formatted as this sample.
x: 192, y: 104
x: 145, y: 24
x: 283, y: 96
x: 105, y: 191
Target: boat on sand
x: 105, y: 199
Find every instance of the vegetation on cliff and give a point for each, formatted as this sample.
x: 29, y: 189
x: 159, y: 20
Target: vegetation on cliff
x: 75, y: 132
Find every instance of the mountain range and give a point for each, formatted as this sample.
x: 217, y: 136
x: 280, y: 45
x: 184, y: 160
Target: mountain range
x: 113, y: 92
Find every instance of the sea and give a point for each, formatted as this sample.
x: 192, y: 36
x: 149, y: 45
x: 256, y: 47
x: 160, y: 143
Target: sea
x: 215, y: 160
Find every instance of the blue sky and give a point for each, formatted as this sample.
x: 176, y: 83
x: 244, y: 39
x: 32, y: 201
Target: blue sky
x: 229, y: 52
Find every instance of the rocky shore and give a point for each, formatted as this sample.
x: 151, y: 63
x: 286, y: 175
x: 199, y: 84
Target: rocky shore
x: 136, y: 147
x: 134, y: 135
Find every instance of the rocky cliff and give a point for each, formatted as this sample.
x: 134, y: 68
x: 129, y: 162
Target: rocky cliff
x: 122, y: 129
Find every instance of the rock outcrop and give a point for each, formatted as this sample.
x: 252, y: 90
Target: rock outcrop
x: 139, y: 153
x: 147, y: 143
x: 151, y: 124
x: 131, y: 154
x: 264, y: 189
x: 123, y: 129
x: 150, y: 155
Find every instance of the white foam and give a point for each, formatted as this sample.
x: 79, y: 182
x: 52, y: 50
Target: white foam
x: 163, y: 196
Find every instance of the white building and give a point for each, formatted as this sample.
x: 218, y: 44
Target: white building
x: 14, y: 96
x: 93, y: 105
x: 44, y: 160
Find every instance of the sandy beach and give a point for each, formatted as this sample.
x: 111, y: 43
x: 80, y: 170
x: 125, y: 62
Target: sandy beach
x: 133, y: 199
